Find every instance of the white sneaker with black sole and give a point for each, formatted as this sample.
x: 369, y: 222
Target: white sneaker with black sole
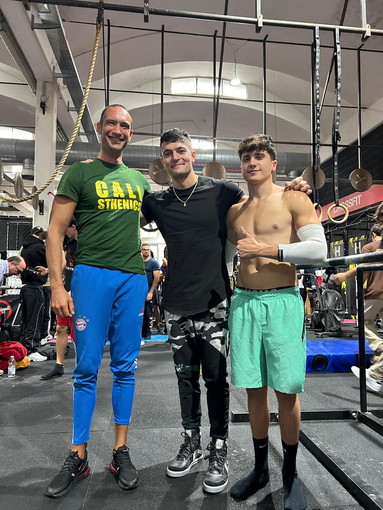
x: 371, y: 384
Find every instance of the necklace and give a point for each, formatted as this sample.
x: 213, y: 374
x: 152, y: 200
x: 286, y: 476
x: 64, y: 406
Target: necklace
x: 192, y: 191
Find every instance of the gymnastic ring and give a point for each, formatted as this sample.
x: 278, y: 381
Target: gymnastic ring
x: 318, y: 207
x: 150, y: 227
x: 342, y: 206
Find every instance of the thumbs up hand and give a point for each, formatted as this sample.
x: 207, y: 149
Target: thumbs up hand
x: 248, y: 247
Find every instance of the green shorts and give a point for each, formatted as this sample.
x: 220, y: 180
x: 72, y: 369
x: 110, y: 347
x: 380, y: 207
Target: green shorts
x: 268, y: 339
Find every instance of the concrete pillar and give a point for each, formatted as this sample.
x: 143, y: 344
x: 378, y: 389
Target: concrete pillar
x: 45, y: 146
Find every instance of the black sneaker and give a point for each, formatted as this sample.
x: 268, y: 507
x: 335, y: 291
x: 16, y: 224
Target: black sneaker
x: 217, y: 474
x: 122, y: 467
x: 190, y: 454
x: 73, y: 470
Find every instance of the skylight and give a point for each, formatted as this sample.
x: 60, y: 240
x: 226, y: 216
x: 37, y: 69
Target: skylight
x: 205, y: 87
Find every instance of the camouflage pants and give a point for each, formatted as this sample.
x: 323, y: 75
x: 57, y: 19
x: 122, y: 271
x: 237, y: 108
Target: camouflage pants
x: 200, y: 342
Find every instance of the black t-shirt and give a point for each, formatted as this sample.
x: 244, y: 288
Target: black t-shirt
x: 150, y: 266
x: 195, y: 235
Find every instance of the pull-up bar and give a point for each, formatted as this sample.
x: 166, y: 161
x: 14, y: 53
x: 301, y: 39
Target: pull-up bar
x: 364, y: 30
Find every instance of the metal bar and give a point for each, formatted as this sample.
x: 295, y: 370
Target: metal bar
x: 208, y: 16
x: 215, y: 125
x: 108, y: 63
x: 362, y: 353
x: 162, y: 78
x: 357, y: 259
x: 259, y: 16
x: 224, y: 99
x: 363, y: 13
x: 377, y: 412
x: 104, y: 64
x: 264, y: 86
x: 371, y: 421
x: 364, y: 494
x: 336, y: 415
x: 231, y: 38
x: 215, y: 89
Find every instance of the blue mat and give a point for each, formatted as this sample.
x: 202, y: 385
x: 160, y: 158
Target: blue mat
x: 157, y: 338
x: 334, y: 355
x: 322, y: 355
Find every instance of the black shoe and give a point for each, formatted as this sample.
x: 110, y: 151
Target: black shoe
x: 217, y: 474
x: 190, y: 454
x: 294, y: 498
x: 74, y: 469
x: 57, y: 371
x: 248, y: 486
x: 122, y: 467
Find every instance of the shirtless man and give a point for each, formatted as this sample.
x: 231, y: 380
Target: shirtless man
x: 267, y: 318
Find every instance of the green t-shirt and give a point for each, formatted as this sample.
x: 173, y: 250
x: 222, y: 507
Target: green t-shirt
x: 109, y: 199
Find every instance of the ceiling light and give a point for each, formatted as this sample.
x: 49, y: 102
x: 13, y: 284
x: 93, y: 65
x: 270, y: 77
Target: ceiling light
x: 235, y: 81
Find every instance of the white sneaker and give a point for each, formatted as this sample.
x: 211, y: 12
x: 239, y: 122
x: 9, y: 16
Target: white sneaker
x: 35, y: 356
x: 371, y: 384
x: 46, y: 339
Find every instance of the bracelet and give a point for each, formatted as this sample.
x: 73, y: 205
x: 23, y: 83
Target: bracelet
x: 280, y: 255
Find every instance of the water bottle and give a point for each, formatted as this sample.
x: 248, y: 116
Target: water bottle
x: 11, y: 367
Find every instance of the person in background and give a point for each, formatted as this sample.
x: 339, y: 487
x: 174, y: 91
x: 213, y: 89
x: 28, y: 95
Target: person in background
x: 152, y: 269
x: 32, y: 294
x: 45, y: 335
x: 64, y: 325
x: 14, y: 265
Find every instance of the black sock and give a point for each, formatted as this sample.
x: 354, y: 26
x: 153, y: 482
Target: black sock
x: 258, y: 478
x: 289, y: 459
x: 56, y: 371
x: 261, y: 451
x: 294, y: 498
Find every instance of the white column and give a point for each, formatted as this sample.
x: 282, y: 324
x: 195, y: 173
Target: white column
x: 45, y: 146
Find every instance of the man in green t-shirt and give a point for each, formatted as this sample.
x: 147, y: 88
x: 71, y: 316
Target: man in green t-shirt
x: 109, y: 287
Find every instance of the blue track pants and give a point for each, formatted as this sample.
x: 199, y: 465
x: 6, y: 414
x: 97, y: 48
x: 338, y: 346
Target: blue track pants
x: 108, y: 306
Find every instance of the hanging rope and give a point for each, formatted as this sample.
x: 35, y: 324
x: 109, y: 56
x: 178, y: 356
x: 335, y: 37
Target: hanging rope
x: 99, y: 23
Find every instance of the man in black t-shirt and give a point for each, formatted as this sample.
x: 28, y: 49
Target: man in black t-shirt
x: 32, y: 297
x: 152, y: 269
x: 191, y: 216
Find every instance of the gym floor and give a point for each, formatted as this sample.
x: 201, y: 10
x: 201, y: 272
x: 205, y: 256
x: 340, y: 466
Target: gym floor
x: 35, y: 434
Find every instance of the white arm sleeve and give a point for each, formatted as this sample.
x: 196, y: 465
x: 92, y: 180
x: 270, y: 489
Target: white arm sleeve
x: 311, y: 249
